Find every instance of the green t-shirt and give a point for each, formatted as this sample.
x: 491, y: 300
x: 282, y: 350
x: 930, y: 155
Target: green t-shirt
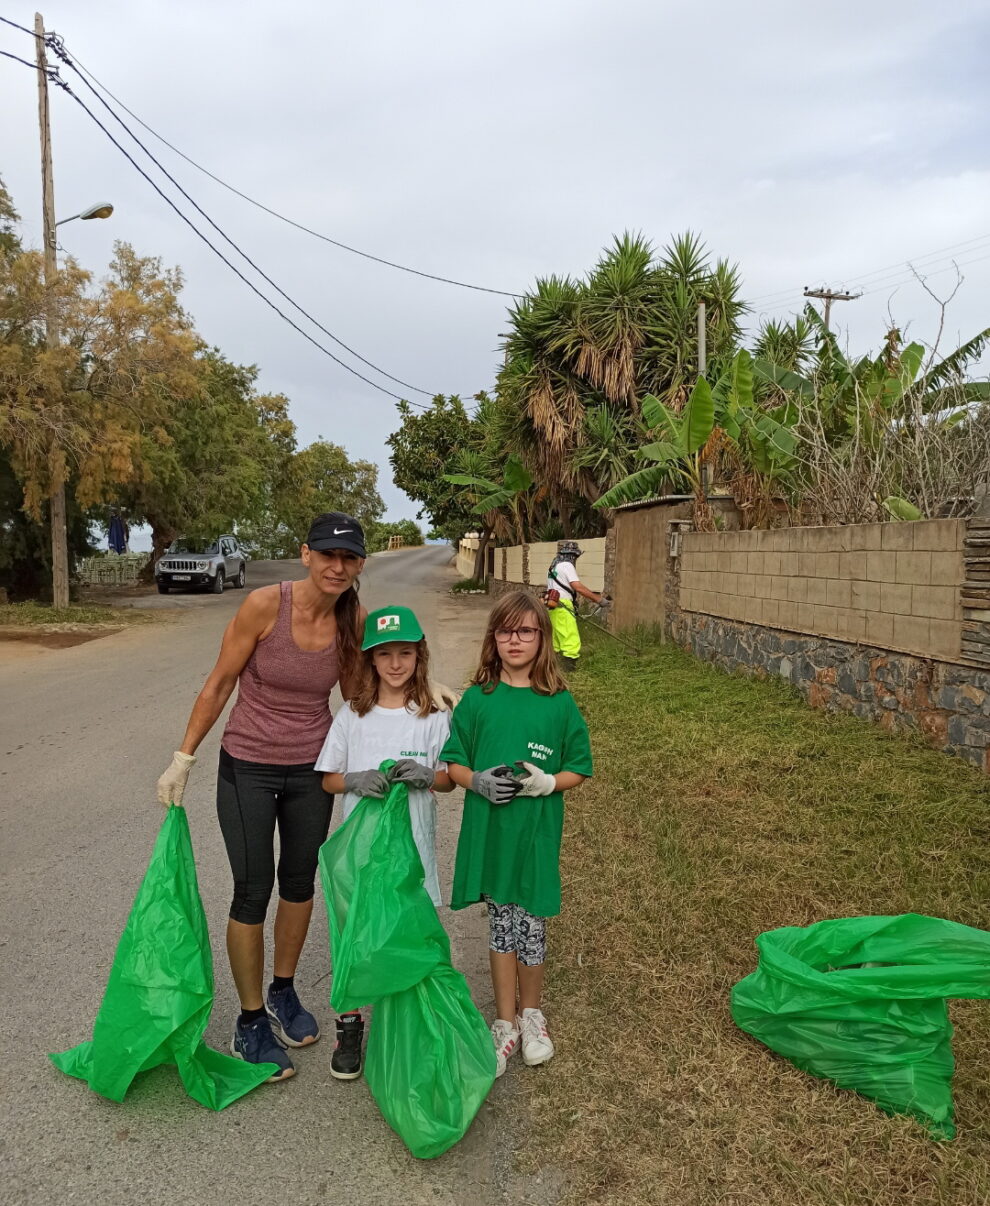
x: 511, y: 852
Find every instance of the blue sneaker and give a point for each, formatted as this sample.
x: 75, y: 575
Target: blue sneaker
x: 296, y: 1026
x: 256, y: 1044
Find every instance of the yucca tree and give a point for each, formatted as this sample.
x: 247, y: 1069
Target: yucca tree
x: 628, y: 329
x: 788, y: 345
x: 538, y: 387
x: 608, y: 452
x: 612, y: 320
x: 684, y: 278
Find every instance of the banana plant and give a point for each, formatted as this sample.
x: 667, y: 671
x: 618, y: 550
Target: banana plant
x: 764, y: 437
x: 490, y: 496
x: 679, y: 455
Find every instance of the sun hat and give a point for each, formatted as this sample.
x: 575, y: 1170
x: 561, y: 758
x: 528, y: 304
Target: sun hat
x: 568, y: 548
x: 335, y: 530
x: 390, y: 624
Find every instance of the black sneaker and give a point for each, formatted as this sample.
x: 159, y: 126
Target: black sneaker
x: 345, y: 1064
x: 256, y: 1044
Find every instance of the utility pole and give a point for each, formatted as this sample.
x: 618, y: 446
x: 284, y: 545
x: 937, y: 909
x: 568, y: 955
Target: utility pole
x: 702, y: 369
x: 828, y: 296
x: 56, y: 464
x: 702, y: 341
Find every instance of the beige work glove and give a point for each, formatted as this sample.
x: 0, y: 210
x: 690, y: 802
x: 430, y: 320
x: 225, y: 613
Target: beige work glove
x: 443, y: 697
x: 173, y: 783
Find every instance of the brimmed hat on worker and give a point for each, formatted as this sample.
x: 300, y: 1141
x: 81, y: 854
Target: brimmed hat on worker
x: 335, y: 530
x: 568, y: 548
x: 390, y: 624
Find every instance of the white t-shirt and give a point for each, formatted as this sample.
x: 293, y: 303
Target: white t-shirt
x: 357, y: 743
x: 567, y: 574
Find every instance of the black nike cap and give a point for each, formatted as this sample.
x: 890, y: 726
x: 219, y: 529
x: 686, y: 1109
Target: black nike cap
x: 335, y: 530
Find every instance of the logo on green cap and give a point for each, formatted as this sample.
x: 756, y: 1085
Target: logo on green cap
x: 392, y: 623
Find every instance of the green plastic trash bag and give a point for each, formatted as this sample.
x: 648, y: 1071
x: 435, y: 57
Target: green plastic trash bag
x: 160, y: 992
x: 430, y: 1061
x: 861, y: 1001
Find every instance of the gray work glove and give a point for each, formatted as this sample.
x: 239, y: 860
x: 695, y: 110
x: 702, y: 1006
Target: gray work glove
x: 412, y: 773
x: 496, y: 784
x: 367, y: 783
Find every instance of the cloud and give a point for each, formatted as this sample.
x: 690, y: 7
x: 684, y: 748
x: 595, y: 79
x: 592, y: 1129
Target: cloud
x: 496, y: 143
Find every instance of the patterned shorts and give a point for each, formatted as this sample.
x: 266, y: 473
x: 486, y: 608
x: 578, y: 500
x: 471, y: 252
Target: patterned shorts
x: 514, y: 931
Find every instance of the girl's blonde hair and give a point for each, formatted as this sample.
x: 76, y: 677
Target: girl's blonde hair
x: 513, y: 611
x: 417, y: 688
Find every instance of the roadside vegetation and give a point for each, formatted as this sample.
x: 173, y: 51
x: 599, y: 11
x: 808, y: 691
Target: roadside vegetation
x: 722, y: 807
x: 134, y: 411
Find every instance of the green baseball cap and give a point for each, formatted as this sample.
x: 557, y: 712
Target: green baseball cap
x: 390, y: 624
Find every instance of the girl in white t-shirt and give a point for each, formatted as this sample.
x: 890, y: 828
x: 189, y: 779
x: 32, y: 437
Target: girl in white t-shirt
x: 390, y: 716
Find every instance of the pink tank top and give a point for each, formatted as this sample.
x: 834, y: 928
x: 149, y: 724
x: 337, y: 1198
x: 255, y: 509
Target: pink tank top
x: 282, y: 714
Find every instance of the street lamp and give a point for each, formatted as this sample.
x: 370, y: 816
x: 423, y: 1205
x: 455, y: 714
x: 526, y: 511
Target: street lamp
x: 103, y: 210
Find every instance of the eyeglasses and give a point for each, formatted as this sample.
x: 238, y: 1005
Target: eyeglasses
x: 526, y: 635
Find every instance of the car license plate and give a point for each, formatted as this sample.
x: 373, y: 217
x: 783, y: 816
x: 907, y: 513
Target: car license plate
x: 182, y: 577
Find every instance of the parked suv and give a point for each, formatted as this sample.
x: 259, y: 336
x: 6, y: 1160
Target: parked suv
x: 211, y: 563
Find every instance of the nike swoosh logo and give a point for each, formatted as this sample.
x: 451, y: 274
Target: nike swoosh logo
x: 343, y: 531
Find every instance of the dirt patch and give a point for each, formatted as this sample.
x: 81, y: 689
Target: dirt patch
x: 110, y: 596
x: 55, y: 638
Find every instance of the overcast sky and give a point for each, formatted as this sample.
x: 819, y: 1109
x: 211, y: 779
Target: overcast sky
x: 498, y: 142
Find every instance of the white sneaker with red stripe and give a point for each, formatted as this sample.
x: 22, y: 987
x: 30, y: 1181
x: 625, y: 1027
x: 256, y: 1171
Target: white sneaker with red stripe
x: 505, y: 1036
x: 537, y: 1046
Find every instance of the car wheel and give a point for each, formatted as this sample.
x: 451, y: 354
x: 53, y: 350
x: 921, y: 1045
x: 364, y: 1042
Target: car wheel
x: 241, y: 578
x: 218, y: 583
x: 162, y: 588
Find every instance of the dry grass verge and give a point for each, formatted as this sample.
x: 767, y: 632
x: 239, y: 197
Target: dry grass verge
x: 31, y: 615
x: 723, y: 807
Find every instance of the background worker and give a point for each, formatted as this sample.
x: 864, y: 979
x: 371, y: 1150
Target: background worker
x: 562, y: 577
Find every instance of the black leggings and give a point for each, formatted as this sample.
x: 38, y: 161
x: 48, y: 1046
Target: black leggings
x: 251, y: 798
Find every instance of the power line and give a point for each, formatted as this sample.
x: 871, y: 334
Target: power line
x: 59, y: 82
x: 83, y: 70
x: 56, y: 79
x: 58, y: 48
x: 866, y: 278
x: 23, y: 29
x: 937, y: 272
x: 890, y: 287
x: 7, y: 55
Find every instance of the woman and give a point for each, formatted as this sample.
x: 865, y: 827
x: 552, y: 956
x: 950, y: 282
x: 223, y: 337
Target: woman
x: 286, y: 649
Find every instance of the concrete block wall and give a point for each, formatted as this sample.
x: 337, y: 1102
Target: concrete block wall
x: 527, y: 565
x: 892, y: 585
x: 467, y: 550
x: 514, y: 564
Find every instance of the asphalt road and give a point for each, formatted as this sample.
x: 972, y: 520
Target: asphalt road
x: 84, y: 734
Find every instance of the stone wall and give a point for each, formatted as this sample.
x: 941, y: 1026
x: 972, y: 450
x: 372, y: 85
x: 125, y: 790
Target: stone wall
x: 975, y: 594
x: 948, y: 703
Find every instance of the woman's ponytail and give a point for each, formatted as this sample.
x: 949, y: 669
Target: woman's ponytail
x: 346, y: 610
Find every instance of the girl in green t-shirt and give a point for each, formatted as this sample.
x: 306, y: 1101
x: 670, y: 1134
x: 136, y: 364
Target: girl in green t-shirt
x: 518, y: 720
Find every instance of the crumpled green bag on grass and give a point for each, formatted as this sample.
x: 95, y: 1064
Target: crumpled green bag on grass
x: 881, y: 1030
x: 160, y: 992
x: 430, y: 1061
